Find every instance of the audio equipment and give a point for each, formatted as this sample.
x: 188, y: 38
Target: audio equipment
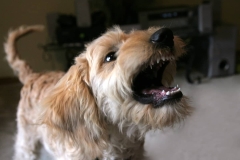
x: 222, y: 51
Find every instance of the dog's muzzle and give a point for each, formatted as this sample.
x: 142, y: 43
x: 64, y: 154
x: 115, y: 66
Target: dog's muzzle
x: 147, y: 84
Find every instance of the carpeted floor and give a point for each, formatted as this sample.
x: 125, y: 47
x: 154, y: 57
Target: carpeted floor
x: 211, y: 133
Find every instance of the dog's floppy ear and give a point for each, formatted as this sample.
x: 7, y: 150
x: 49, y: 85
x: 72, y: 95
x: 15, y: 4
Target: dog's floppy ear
x: 70, y: 107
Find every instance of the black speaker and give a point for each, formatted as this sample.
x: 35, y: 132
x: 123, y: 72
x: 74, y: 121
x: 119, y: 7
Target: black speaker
x: 52, y: 25
x: 222, y: 51
x: 211, y: 55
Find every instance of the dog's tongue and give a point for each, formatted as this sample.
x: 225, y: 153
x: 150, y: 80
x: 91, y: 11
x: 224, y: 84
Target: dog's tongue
x: 160, y: 90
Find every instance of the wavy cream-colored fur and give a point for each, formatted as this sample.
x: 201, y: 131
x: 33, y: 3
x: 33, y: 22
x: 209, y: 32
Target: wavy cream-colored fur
x: 89, y: 112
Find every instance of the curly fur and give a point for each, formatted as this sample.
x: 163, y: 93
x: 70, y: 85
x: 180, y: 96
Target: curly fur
x: 89, y: 112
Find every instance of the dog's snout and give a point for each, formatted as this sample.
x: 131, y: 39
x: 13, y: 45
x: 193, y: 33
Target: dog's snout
x: 163, y: 36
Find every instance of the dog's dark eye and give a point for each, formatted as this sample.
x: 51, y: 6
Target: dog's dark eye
x: 110, y: 57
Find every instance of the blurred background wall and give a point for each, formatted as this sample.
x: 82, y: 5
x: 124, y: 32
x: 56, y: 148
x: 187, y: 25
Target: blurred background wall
x: 15, y: 13
x: 27, y: 12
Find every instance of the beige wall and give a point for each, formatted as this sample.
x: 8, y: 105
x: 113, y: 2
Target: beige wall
x: 15, y: 13
x: 26, y: 12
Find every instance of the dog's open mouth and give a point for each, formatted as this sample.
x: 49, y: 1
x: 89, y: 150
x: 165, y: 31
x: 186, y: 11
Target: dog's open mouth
x: 148, y: 87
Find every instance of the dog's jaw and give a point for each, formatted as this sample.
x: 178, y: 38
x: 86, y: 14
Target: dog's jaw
x: 148, y: 86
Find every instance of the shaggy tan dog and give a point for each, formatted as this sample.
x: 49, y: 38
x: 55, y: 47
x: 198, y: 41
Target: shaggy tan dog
x: 117, y: 90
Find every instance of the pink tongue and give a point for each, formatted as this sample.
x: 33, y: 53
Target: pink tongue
x: 155, y: 90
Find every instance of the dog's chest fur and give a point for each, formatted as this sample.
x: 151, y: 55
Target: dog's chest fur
x: 122, y: 147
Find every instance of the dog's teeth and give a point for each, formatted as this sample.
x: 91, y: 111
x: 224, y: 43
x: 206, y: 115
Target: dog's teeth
x: 163, y: 92
x: 168, y: 93
x: 158, y: 60
x: 163, y: 58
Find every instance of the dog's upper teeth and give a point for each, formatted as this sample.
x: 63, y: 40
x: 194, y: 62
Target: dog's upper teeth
x: 167, y: 58
x: 168, y: 93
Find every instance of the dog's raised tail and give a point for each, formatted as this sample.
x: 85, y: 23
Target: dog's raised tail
x: 19, y: 66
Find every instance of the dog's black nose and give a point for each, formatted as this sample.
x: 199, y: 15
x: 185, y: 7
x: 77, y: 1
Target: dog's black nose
x: 163, y: 37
